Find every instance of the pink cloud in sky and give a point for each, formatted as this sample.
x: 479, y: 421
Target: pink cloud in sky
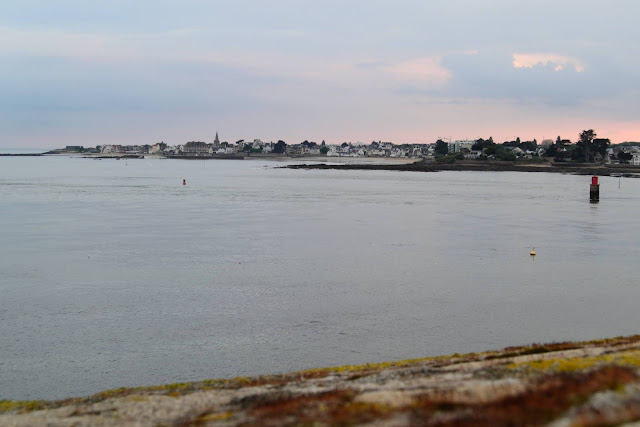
x: 424, y: 72
x: 530, y: 60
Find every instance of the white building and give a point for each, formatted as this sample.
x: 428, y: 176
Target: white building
x: 460, y: 144
x: 158, y: 148
x: 195, y: 147
x: 473, y: 154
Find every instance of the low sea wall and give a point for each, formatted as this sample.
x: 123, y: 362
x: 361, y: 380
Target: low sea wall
x: 572, y: 383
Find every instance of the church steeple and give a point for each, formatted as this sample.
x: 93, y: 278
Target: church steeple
x: 216, y: 141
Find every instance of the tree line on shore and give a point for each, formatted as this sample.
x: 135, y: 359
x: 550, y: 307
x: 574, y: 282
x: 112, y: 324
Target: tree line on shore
x: 586, y: 149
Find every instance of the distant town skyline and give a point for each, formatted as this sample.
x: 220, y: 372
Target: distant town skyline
x: 85, y: 73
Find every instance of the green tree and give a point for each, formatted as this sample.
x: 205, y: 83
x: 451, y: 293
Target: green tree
x: 279, y: 146
x: 585, y: 140
x: 441, y: 147
x: 478, y: 145
x: 624, y: 157
x: 551, y: 151
x: 576, y: 153
x: 503, y: 153
x: 483, y: 144
x: 600, y: 145
x: 324, y: 149
x: 249, y: 149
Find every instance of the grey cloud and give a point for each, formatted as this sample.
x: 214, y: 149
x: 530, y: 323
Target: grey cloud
x: 46, y: 84
x: 491, y: 75
x: 371, y: 65
x: 314, y: 42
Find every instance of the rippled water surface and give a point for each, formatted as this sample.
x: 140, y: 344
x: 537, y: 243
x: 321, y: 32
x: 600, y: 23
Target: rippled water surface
x: 114, y: 274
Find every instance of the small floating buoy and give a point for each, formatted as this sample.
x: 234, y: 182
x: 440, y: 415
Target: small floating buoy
x: 533, y: 252
x: 184, y: 182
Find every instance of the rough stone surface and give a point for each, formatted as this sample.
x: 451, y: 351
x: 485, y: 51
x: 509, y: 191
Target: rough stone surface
x: 561, y: 384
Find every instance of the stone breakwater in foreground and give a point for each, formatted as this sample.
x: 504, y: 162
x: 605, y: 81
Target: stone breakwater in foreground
x: 561, y: 384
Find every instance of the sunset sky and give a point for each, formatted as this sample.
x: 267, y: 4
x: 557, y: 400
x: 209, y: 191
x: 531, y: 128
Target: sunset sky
x: 139, y: 72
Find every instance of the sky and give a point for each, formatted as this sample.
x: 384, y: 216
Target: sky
x: 81, y: 72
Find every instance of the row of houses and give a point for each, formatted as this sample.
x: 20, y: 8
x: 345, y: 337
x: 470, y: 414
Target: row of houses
x: 623, y: 154
x: 380, y: 149
x: 375, y: 149
x: 124, y: 149
x: 190, y: 148
x: 388, y: 149
x: 614, y: 155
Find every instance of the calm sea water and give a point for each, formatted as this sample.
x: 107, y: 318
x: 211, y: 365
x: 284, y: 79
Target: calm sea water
x: 114, y: 274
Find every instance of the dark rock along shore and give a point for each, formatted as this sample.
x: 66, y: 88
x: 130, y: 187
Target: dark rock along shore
x: 485, y: 166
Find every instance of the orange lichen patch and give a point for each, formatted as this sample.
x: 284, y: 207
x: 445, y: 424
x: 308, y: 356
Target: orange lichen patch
x: 546, y: 399
x: 559, y: 346
x: 375, y: 367
x: 439, y: 361
x: 139, y: 398
x: 311, y: 374
x: 206, y: 418
x: 242, y: 382
x: 532, y: 349
x: 334, y: 407
x: 620, y: 340
x: 624, y: 358
x: 21, y: 405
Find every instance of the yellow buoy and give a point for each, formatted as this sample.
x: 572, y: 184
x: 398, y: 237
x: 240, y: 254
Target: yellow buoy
x: 533, y: 252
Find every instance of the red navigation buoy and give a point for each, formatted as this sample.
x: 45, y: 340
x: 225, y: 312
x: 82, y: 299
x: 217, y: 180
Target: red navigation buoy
x: 594, y: 190
x: 184, y: 182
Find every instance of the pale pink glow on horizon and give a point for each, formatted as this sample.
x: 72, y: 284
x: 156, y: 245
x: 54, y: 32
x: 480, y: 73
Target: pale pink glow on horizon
x: 530, y: 60
x: 617, y: 132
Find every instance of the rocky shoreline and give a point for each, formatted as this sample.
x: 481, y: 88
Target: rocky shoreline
x: 20, y: 154
x: 561, y: 384
x: 487, y: 166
